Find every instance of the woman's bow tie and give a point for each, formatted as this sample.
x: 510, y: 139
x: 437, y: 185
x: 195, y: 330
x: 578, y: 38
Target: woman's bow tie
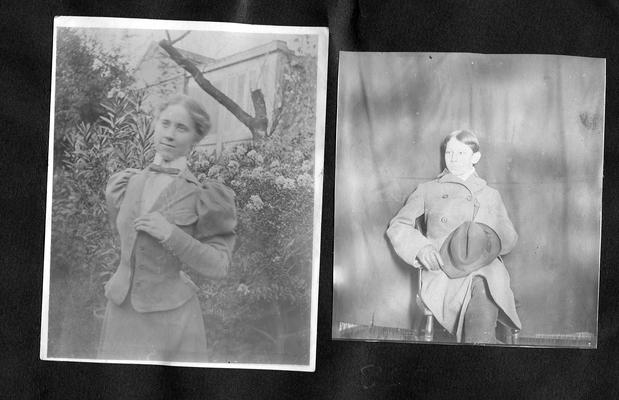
x: 164, y: 170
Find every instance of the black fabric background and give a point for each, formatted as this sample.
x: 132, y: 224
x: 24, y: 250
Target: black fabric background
x: 344, y: 369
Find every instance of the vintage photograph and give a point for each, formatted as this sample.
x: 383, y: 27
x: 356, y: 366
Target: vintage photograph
x: 184, y: 193
x: 468, y: 198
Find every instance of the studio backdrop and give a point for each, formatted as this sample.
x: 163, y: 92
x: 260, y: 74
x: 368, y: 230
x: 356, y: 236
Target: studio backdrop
x: 540, y: 123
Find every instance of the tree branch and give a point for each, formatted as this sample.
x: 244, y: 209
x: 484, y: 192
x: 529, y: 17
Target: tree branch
x: 257, y: 125
x: 181, y: 37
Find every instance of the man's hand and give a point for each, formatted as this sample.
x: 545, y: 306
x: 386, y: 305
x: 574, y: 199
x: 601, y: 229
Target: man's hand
x: 430, y: 258
x: 155, y: 225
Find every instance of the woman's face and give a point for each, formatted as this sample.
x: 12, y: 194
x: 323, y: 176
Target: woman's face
x: 175, y: 133
x: 459, y: 157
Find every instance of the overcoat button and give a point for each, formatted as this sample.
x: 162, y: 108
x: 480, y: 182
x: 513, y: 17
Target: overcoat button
x: 444, y: 219
x: 469, y: 197
x: 445, y: 196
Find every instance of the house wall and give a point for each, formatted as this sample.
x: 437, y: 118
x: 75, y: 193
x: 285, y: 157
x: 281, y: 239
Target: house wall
x: 236, y: 76
x: 237, y: 81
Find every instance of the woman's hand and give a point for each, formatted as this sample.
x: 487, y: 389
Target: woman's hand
x: 430, y: 258
x: 155, y: 225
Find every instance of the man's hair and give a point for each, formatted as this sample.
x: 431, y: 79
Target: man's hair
x: 463, y: 136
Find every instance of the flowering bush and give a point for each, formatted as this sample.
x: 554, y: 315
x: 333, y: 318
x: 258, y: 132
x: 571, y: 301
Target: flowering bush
x: 261, y: 311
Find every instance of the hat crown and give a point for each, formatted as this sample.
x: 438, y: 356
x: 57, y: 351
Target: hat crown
x: 469, y: 243
x: 469, y: 247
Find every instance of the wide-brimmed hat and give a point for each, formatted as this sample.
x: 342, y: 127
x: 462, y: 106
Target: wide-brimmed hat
x: 469, y: 247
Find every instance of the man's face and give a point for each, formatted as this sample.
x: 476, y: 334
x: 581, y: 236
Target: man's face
x: 459, y: 158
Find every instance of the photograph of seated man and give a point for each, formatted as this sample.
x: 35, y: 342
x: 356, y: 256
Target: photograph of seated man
x: 463, y: 281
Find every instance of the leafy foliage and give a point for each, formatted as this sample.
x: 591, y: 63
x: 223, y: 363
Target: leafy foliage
x: 85, y: 76
x: 84, y: 250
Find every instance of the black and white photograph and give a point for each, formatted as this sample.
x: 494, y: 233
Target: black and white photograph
x: 184, y: 193
x: 468, y: 198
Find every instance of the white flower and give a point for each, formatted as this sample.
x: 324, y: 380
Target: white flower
x: 202, y: 163
x: 257, y: 157
x: 255, y: 203
x: 305, y: 180
x: 257, y: 172
x: 297, y: 156
x: 274, y: 163
x: 290, y: 184
x: 307, y: 165
x: 237, y: 183
x: 214, y: 170
x: 280, y: 180
x: 243, y: 288
x: 286, y: 183
x: 233, y: 164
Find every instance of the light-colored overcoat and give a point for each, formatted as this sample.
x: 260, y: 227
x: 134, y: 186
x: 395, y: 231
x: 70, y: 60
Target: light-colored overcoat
x: 445, y: 203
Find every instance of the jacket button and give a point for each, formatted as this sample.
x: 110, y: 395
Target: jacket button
x: 469, y: 197
x: 443, y: 219
x: 445, y: 196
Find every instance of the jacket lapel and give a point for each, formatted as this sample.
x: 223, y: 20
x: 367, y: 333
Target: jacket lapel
x: 165, y: 198
x: 173, y: 193
x: 133, y: 195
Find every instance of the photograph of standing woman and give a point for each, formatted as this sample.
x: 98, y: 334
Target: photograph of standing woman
x: 165, y: 219
x: 185, y: 194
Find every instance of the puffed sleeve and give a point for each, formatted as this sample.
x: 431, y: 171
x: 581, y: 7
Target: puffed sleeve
x: 405, y: 238
x: 115, y: 192
x: 498, y: 219
x: 210, y: 251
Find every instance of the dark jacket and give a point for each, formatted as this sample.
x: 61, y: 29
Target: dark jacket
x: 202, y: 239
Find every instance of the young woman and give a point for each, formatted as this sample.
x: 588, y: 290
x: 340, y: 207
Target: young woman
x: 465, y: 305
x: 166, y: 221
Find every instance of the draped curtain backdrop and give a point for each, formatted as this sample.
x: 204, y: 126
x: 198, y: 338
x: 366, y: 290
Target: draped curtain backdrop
x: 540, y: 123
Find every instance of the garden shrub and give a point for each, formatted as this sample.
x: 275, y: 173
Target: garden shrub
x: 84, y: 252
x: 261, y: 311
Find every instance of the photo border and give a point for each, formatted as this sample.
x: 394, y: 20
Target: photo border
x: 322, y: 35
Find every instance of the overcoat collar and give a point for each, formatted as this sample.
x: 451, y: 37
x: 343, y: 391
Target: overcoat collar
x: 474, y: 183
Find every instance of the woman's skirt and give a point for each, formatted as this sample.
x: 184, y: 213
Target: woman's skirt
x: 171, y: 335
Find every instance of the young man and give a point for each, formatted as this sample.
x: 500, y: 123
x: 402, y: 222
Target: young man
x: 466, y: 303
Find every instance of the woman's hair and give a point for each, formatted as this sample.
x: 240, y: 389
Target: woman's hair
x: 463, y: 136
x: 198, y: 114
